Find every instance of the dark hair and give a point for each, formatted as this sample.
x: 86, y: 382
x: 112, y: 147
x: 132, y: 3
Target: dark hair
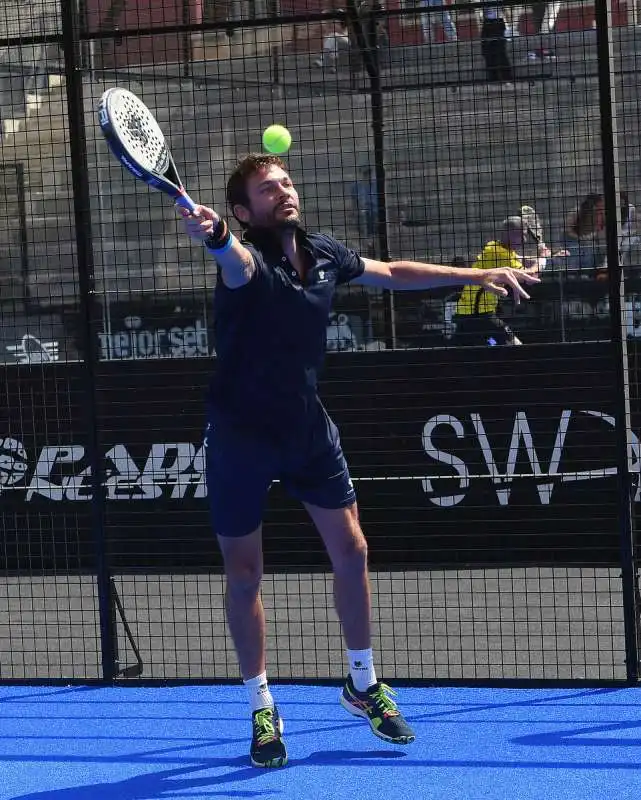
x: 583, y: 223
x: 249, y: 165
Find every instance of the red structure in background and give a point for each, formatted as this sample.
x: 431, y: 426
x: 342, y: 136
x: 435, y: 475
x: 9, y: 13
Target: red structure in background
x: 407, y: 30
x: 123, y: 15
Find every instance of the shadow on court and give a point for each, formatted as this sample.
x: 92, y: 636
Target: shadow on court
x: 172, y: 783
x: 154, y: 785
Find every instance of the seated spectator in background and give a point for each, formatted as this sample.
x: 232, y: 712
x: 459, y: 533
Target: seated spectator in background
x: 476, y: 319
x: 335, y: 43
x: 584, y: 236
x: 498, y: 66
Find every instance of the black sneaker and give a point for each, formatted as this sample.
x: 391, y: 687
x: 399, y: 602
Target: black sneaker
x: 268, y: 748
x: 378, y: 708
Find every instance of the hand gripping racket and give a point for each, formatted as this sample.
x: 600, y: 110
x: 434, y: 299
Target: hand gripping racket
x: 535, y: 229
x: 531, y: 219
x: 136, y: 140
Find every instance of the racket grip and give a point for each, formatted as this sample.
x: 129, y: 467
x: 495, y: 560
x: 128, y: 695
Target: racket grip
x: 185, y: 201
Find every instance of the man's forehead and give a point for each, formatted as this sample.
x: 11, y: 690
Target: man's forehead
x: 271, y: 173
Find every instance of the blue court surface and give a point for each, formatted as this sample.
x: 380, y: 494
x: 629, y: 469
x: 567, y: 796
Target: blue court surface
x: 121, y: 743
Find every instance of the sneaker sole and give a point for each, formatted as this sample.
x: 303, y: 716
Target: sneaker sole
x: 356, y: 712
x: 275, y: 762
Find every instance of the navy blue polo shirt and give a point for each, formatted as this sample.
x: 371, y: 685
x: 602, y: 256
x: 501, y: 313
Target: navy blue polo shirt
x: 270, y: 335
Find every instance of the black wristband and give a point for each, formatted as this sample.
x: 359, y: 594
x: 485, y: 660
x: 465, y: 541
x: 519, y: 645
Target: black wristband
x: 219, y: 236
x: 220, y: 230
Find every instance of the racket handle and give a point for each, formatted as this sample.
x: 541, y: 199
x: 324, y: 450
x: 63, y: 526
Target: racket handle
x: 185, y: 201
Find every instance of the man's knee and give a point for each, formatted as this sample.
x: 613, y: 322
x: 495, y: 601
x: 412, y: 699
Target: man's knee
x: 243, y: 560
x: 351, y: 554
x: 244, y: 578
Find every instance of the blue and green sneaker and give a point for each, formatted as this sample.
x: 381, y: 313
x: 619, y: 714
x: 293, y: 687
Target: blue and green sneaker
x: 267, y: 747
x: 377, y: 707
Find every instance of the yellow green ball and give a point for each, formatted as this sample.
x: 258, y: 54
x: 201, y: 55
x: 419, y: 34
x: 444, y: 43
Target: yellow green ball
x: 277, y: 139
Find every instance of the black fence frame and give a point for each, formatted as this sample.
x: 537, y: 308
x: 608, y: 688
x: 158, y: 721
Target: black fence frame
x: 72, y: 41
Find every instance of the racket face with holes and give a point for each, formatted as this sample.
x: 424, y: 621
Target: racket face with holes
x: 137, y: 141
x: 529, y: 215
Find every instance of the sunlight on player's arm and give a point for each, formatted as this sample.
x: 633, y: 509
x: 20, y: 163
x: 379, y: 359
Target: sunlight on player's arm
x: 413, y: 275
x: 236, y: 265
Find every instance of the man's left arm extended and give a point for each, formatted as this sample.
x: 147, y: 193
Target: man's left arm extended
x: 414, y: 275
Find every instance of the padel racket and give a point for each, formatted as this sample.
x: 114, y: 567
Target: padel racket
x: 531, y: 219
x: 137, y: 141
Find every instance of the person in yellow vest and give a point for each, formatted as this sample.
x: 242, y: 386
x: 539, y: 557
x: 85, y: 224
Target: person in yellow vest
x: 517, y: 246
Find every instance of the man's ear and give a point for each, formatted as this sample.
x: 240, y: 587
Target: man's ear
x: 241, y: 213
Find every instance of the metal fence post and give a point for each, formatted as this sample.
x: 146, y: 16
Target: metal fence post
x: 611, y: 193
x: 365, y: 29
x: 84, y: 254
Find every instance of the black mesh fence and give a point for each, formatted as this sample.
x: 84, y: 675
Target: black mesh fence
x: 497, y: 484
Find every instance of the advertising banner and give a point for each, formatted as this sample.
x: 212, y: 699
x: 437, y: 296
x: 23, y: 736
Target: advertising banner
x: 459, y: 457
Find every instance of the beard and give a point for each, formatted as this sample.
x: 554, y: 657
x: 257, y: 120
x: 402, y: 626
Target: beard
x: 273, y: 219
x: 276, y: 223
x: 292, y: 220
x: 287, y: 224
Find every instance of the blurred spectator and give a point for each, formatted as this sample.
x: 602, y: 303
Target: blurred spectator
x: 544, y: 16
x: 444, y: 17
x: 537, y: 14
x: 584, y: 236
x: 364, y: 207
x: 375, y: 35
x: 340, y: 334
x: 498, y: 66
x: 512, y: 16
x: 476, y: 319
x: 335, y: 44
x: 378, y: 28
x: 628, y: 238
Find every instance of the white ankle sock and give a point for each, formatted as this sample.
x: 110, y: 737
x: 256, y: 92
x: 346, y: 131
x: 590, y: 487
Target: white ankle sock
x: 258, y: 692
x: 361, y: 668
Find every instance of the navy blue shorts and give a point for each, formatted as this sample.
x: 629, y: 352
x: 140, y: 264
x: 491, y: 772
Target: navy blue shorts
x: 241, y: 467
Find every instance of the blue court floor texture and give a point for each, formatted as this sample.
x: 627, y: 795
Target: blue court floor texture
x: 122, y: 743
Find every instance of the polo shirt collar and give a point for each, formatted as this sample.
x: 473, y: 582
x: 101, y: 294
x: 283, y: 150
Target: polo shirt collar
x: 266, y: 238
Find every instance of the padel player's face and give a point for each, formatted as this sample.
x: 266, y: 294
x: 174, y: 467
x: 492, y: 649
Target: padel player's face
x: 273, y: 201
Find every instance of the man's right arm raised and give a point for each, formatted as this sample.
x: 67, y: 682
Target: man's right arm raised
x: 236, y: 263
